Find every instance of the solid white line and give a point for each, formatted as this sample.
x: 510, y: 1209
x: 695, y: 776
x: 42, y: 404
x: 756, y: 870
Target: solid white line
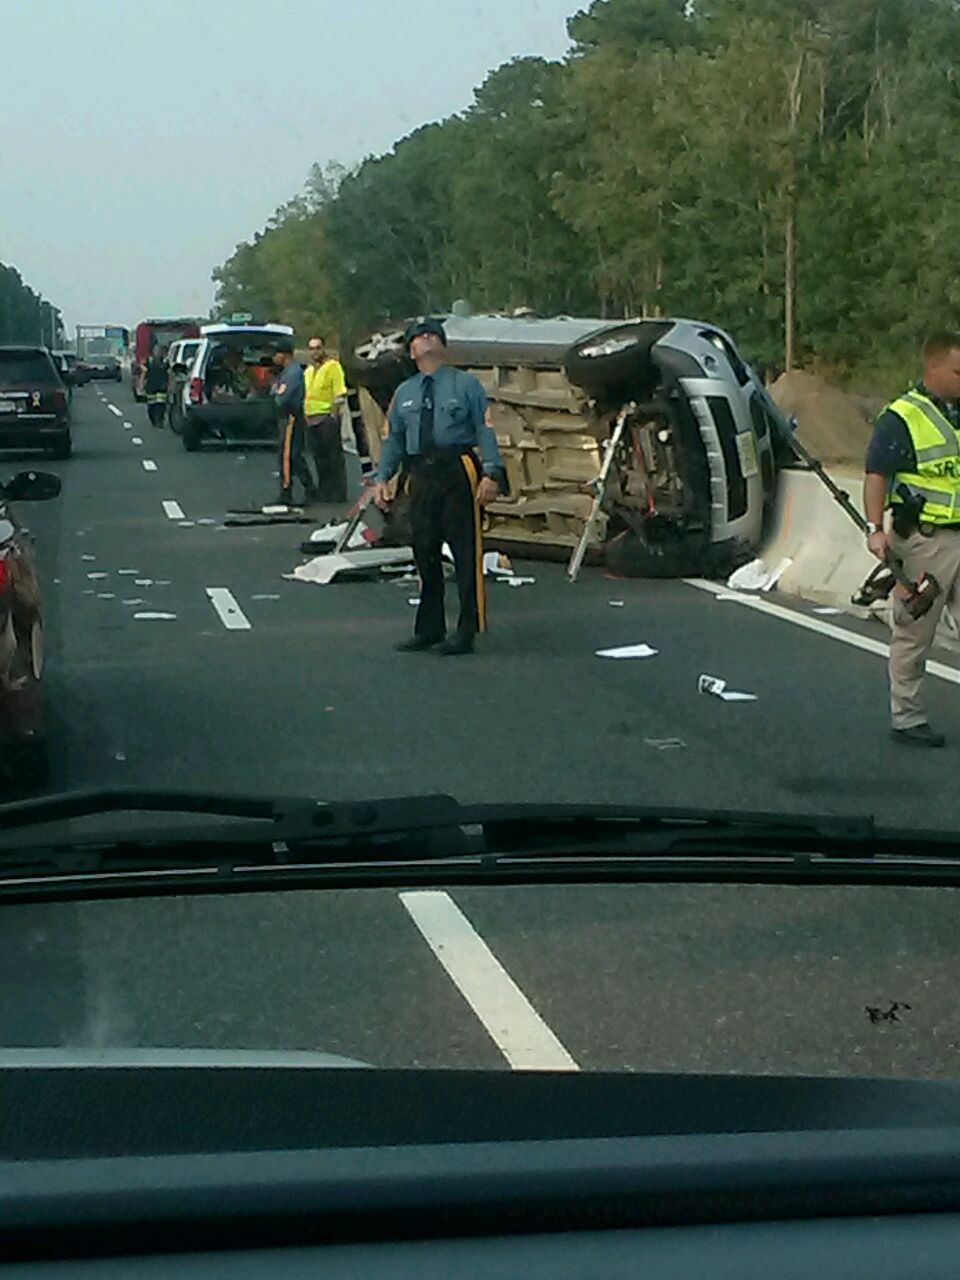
x: 149, y: 464
x: 173, y: 510
x: 509, y: 1018
x: 229, y: 612
x: 113, y: 409
x: 868, y: 645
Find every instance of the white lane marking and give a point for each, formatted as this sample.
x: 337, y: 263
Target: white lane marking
x: 113, y: 409
x: 172, y: 510
x: 509, y: 1018
x: 829, y: 629
x: 229, y: 612
x: 128, y: 425
x: 136, y: 440
x: 149, y: 464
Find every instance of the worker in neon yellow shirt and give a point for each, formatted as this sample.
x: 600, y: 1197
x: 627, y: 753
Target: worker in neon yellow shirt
x: 325, y: 391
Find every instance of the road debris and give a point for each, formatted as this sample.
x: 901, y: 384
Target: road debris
x: 755, y: 576
x: 666, y: 744
x: 155, y: 617
x: 138, y: 600
x: 628, y: 651
x: 414, y: 600
x: 98, y: 575
x: 497, y: 565
x: 717, y: 688
x: 130, y: 572
x: 367, y: 563
x: 519, y: 582
x: 615, y: 604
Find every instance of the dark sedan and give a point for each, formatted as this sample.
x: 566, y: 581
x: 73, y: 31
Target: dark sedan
x: 34, y: 410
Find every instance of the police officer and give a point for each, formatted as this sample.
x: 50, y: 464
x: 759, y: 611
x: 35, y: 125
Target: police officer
x: 440, y: 428
x: 291, y: 424
x: 913, y: 466
x: 155, y: 386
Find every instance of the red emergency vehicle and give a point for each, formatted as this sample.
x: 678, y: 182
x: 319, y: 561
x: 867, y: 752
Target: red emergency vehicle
x: 152, y: 333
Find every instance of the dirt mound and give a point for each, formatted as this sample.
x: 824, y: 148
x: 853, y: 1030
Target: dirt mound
x: 834, y: 426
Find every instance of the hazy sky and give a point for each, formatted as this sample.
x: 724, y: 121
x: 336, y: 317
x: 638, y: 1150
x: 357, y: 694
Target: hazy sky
x: 141, y: 142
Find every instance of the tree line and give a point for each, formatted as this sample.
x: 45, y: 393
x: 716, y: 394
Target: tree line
x: 24, y: 315
x: 779, y: 167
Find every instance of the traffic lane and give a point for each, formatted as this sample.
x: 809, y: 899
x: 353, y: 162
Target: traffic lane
x: 736, y: 978
x: 335, y: 972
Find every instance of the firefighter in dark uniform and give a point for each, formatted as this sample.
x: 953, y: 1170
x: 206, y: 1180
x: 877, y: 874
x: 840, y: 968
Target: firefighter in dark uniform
x: 440, y: 431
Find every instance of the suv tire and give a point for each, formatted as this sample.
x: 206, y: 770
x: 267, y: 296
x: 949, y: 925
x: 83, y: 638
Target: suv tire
x: 63, y: 447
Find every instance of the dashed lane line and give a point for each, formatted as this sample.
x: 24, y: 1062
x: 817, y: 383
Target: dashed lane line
x: 227, y: 609
x: 113, y: 409
x: 509, y: 1018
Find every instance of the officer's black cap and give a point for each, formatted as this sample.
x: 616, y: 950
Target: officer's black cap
x: 428, y: 325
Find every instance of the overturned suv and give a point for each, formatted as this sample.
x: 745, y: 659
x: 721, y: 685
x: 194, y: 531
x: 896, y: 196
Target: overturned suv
x: 695, y: 468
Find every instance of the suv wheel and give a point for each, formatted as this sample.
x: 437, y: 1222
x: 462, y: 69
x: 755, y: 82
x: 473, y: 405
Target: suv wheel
x: 175, y: 417
x: 190, y: 436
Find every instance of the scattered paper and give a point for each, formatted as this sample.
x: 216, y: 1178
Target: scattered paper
x: 128, y: 571
x: 414, y: 600
x: 155, y: 617
x: 616, y: 604
x: 106, y: 595
x: 276, y: 509
x: 717, y: 688
x: 827, y: 608
x: 144, y: 582
x: 628, y: 651
x: 119, y: 757
x: 86, y: 557
x: 497, y: 565
x: 334, y: 532
x: 137, y: 601
x: 98, y: 575
x: 755, y: 576
x: 519, y: 582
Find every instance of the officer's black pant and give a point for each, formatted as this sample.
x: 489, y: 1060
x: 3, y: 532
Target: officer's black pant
x: 292, y: 461
x: 326, y: 451
x: 443, y: 508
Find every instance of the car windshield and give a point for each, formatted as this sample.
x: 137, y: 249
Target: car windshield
x: 548, y: 406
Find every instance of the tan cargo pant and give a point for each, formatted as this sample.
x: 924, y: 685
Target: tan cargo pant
x: 938, y: 554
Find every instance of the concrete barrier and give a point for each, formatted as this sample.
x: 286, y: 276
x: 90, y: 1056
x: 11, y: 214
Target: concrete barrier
x: 827, y: 550
x: 828, y: 554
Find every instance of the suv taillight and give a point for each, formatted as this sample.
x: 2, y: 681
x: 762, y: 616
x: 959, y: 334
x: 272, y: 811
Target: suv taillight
x: 196, y: 391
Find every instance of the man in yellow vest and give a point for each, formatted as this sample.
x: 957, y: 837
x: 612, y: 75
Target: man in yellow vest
x: 913, y: 466
x: 325, y: 392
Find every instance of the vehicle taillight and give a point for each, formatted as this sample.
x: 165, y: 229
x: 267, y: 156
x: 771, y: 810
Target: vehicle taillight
x: 196, y: 391
x: 4, y: 572
x: 60, y: 401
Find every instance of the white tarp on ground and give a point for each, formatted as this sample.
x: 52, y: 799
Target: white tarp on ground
x: 325, y: 569
x: 333, y: 532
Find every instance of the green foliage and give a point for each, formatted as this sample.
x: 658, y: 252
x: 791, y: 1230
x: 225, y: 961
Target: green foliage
x: 24, y: 315
x: 697, y: 157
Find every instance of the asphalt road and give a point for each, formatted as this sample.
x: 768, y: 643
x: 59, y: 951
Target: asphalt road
x: 310, y: 698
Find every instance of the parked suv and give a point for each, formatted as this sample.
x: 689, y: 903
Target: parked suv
x: 180, y: 358
x: 226, y: 398
x: 34, y: 412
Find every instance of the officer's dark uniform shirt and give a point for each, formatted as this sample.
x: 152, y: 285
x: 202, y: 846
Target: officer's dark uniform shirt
x: 891, y: 449
x: 459, y: 421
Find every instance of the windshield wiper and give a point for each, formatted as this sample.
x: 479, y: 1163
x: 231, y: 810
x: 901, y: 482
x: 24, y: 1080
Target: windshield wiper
x: 247, y: 843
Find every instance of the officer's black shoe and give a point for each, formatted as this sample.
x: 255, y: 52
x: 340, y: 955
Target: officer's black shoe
x: 457, y: 644
x: 919, y: 735
x: 418, y: 643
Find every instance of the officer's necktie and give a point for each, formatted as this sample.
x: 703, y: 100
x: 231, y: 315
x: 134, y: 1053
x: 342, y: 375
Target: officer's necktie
x: 426, y: 415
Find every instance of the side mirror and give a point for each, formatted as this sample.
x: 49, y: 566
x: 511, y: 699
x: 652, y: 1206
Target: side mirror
x: 33, y: 486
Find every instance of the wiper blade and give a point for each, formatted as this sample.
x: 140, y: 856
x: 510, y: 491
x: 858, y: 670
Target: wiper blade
x: 294, y: 841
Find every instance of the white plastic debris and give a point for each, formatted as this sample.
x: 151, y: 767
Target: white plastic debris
x: 155, y: 617
x: 324, y: 569
x: 519, y: 582
x: 334, y: 532
x: 717, y: 688
x: 496, y: 565
x: 755, y: 576
x: 628, y: 651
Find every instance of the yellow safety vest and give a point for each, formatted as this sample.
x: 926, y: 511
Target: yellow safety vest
x: 936, y: 443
